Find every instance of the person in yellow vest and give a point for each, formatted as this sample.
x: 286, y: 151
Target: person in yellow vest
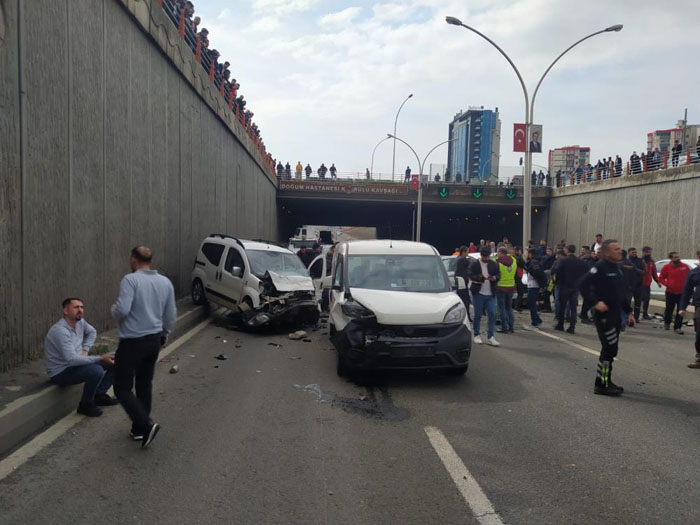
x: 505, y: 288
x: 297, y: 170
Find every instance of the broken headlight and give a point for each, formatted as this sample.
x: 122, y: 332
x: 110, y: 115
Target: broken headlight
x: 355, y: 310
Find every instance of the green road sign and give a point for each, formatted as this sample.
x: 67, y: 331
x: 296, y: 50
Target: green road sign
x: 444, y: 192
x: 477, y: 193
x: 511, y: 194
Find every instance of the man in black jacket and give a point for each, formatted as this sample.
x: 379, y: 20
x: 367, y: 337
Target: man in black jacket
x: 691, y: 293
x: 604, y: 287
x: 483, y: 276
x: 462, y: 270
x: 637, y: 272
x: 569, y: 272
x: 590, y: 261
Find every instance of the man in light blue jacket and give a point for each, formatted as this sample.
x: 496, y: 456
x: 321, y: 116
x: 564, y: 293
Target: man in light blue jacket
x: 145, y: 311
x: 67, y: 361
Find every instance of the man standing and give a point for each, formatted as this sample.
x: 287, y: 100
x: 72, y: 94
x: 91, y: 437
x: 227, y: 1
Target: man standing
x: 569, y: 271
x: 305, y: 256
x: 334, y: 171
x: 676, y: 152
x: 649, y: 275
x: 145, y: 311
x: 67, y: 361
x: 507, y: 268
x: 691, y: 293
x: 637, y: 273
x: 604, y: 287
x: 462, y: 270
x: 483, y: 275
x: 673, y: 277
x: 598, y: 242
x: 297, y: 170
x: 589, y: 260
x: 519, y: 286
x: 308, y: 170
x: 535, y: 276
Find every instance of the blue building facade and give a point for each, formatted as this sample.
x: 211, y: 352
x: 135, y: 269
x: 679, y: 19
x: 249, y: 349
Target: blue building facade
x: 473, y: 156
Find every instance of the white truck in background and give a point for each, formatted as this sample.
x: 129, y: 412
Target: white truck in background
x: 309, y: 235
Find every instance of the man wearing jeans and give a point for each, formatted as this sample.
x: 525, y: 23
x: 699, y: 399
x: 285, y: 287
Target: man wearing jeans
x: 568, y: 273
x: 673, y: 276
x: 535, y: 276
x: 68, y: 363
x: 505, y: 289
x: 145, y: 311
x: 483, y: 276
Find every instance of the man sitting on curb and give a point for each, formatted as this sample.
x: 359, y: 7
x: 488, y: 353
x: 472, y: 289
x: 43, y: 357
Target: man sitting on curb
x: 68, y: 363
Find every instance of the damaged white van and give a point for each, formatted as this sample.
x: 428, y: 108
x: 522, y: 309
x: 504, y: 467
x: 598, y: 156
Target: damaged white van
x: 267, y: 283
x: 392, y: 306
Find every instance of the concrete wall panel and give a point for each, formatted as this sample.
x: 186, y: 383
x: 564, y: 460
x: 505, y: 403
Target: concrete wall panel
x: 10, y: 189
x: 46, y: 206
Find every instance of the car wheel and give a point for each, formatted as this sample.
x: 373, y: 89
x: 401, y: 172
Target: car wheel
x: 458, y: 371
x: 198, y: 295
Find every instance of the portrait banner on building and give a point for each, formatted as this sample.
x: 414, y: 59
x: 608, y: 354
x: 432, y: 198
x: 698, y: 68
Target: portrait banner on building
x: 536, y: 138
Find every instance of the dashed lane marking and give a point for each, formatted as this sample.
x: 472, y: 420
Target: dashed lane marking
x: 570, y: 343
x: 466, y: 484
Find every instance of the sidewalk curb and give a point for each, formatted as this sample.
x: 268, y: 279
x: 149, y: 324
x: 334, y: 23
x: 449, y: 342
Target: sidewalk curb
x: 24, y: 417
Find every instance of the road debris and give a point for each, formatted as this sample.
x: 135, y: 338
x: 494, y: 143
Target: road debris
x: 299, y: 334
x: 276, y: 345
x: 221, y: 357
x: 174, y: 369
x: 295, y: 357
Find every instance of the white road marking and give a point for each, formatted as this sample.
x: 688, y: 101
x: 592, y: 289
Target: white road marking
x: 571, y: 343
x: 36, y: 445
x: 48, y: 436
x: 466, y: 484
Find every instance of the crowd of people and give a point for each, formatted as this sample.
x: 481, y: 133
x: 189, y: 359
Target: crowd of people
x: 284, y: 172
x: 615, y: 286
x: 181, y: 13
x: 651, y: 160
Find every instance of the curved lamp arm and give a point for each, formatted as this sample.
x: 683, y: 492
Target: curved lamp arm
x: 390, y: 136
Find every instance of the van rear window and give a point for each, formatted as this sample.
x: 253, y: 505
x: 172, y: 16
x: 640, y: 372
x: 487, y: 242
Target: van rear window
x: 213, y: 252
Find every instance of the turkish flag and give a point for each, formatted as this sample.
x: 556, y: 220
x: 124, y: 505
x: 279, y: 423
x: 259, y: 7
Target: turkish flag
x: 519, y: 137
x: 414, y: 182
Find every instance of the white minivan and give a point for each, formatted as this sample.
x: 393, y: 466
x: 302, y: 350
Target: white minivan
x: 392, y: 306
x: 267, y: 283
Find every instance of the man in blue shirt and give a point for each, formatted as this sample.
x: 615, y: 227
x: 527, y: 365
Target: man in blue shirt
x: 67, y: 361
x: 145, y: 311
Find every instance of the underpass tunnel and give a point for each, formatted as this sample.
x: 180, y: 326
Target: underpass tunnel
x: 443, y: 226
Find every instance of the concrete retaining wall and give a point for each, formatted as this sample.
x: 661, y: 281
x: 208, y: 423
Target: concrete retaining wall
x: 659, y: 209
x: 110, y: 136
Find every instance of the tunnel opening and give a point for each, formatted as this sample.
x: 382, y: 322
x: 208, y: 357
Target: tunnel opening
x: 444, y: 226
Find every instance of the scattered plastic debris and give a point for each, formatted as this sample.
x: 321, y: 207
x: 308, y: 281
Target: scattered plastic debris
x: 174, y: 369
x: 295, y: 357
x: 306, y: 340
x: 221, y: 357
x: 299, y: 334
x: 276, y: 345
x: 224, y: 341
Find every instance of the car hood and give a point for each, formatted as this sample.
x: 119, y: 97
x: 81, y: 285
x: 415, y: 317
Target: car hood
x: 291, y: 283
x: 406, y: 308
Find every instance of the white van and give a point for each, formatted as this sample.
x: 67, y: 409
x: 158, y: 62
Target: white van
x: 265, y: 282
x: 392, y: 306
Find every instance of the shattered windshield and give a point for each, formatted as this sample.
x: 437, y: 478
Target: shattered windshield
x: 400, y: 273
x: 283, y: 263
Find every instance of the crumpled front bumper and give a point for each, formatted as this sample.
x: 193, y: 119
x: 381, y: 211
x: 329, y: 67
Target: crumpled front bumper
x: 291, y: 312
x: 368, y: 345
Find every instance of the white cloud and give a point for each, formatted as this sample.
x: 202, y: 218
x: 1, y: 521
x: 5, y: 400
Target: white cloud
x: 265, y: 23
x: 341, y: 18
x: 282, y: 7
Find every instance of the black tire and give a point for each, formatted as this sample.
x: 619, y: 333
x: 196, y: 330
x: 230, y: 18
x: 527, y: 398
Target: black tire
x: 199, y: 296
x: 458, y: 370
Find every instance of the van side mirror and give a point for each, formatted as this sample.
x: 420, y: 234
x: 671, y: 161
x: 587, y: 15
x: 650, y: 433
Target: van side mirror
x: 237, y: 271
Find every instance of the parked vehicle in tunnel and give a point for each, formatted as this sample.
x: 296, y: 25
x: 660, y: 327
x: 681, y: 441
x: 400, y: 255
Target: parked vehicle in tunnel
x: 392, y: 307
x: 266, y: 283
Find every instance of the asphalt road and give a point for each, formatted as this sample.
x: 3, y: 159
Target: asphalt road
x: 272, y: 435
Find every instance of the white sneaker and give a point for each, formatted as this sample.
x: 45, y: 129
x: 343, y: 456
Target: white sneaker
x: 478, y: 340
x: 493, y: 342
x: 531, y: 327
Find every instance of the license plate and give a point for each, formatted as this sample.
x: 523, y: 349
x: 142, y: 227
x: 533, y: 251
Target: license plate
x: 413, y: 352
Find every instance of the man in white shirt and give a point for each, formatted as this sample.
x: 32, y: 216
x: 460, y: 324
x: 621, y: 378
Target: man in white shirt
x: 483, y: 276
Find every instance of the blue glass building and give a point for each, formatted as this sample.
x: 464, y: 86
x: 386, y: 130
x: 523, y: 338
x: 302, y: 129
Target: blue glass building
x: 473, y: 156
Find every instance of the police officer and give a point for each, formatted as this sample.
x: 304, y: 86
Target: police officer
x: 605, y: 288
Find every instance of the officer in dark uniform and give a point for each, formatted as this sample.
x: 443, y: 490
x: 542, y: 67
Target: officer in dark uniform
x: 605, y: 287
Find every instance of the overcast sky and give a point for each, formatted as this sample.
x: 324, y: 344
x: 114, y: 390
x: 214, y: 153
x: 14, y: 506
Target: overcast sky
x: 326, y: 77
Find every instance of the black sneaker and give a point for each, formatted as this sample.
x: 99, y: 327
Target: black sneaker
x: 149, y: 436
x: 586, y: 320
x: 559, y: 327
x: 105, y: 400
x: 647, y: 317
x: 136, y: 435
x: 570, y: 330
x: 610, y: 390
x: 89, y: 410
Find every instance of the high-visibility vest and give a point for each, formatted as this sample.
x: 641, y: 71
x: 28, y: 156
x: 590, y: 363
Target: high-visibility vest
x: 507, y: 279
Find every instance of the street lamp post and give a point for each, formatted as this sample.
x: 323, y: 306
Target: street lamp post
x: 529, y: 111
x: 393, y: 158
x: 371, y: 166
x: 420, y: 178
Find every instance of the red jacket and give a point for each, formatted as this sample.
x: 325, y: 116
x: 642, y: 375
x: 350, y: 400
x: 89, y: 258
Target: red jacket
x: 650, y: 274
x: 673, y: 277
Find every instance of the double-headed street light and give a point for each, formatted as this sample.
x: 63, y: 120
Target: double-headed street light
x: 393, y: 158
x: 529, y: 112
x: 420, y: 177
